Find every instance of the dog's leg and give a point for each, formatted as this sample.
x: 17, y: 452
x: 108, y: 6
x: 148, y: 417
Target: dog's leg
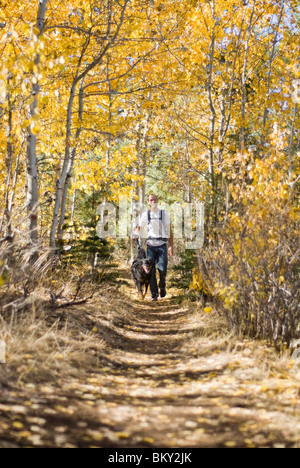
x: 143, y: 293
x: 133, y: 279
x: 140, y: 290
x: 146, y: 289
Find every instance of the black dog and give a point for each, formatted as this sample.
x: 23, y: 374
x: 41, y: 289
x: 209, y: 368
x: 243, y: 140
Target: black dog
x: 141, y: 272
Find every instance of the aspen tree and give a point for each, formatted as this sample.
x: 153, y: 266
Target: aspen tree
x: 32, y: 165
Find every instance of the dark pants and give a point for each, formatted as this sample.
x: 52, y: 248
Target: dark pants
x: 159, y: 256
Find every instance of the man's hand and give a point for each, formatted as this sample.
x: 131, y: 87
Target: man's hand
x: 171, y: 251
x: 136, y: 234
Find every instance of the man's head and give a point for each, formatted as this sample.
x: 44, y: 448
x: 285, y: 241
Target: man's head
x: 152, y: 200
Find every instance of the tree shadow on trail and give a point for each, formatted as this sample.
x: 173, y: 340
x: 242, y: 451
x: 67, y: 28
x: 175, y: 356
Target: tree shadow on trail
x: 146, y: 342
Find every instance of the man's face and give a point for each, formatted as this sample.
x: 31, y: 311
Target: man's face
x: 152, y: 201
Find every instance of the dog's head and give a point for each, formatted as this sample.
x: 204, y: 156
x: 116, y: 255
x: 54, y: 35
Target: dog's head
x: 147, y: 266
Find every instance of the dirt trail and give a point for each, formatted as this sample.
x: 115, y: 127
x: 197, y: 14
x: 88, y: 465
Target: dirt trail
x: 168, y: 377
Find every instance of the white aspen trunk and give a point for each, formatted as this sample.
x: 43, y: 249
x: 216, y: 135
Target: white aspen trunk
x: 32, y: 187
x: 187, y: 170
x: 109, y: 138
x: 73, y: 207
x: 66, y: 184
x: 224, y: 94
x: 265, y: 116
x: 9, y: 162
x: 138, y: 149
x: 143, y: 187
x: 15, y: 178
x: 32, y: 167
x: 212, y: 111
x: 212, y: 118
x: 144, y: 157
x: 131, y: 228
x: 233, y: 75
x: 290, y: 150
x: 141, y: 164
x: 244, y: 81
x: 71, y: 164
x: 62, y: 178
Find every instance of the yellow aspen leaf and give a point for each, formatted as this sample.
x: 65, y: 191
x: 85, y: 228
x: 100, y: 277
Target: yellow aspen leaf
x: 264, y: 388
x: 148, y: 440
x: 18, y: 425
x: 36, y: 129
x: 230, y: 443
x: 122, y: 435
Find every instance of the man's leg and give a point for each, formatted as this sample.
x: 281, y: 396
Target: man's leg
x: 162, y: 266
x: 152, y: 255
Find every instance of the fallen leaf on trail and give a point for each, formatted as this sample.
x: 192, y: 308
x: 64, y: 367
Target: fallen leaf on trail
x: 148, y: 440
x: 61, y: 429
x: 18, y: 425
x: 264, y: 388
x: 64, y: 410
x: 18, y: 409
x: 59, y: 357
x: 249, y: 442
x: 190, y: 424
x: 95, y: 435
x: 230, y: 443
x: 36, y: 439
x: 122, y: 435
x: 25, y: 434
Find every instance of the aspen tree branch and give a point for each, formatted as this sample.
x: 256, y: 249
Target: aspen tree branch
x: 68, y: 162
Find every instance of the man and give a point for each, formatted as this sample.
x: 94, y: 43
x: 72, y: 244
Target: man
x: 158, y: 225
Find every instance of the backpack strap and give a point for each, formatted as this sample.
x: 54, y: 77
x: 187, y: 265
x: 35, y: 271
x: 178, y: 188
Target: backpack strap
x: 160, y: 223
x: 149, y: 221
x: 161, y: 219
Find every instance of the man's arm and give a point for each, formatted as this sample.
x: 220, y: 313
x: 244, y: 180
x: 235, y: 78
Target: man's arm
x: 136, y: 233
x: 142, y: 223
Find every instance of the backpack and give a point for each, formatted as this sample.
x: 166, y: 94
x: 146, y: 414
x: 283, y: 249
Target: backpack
x: 161, y: 216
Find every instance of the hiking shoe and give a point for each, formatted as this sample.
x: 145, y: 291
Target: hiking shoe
x: 154, y: 298
x: 163, y: 293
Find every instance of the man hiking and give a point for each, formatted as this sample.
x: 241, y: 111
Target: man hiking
x: 158, y: 225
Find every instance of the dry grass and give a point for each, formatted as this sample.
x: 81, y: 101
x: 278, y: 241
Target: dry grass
x: 43, y: 337
x: 42, y: 343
